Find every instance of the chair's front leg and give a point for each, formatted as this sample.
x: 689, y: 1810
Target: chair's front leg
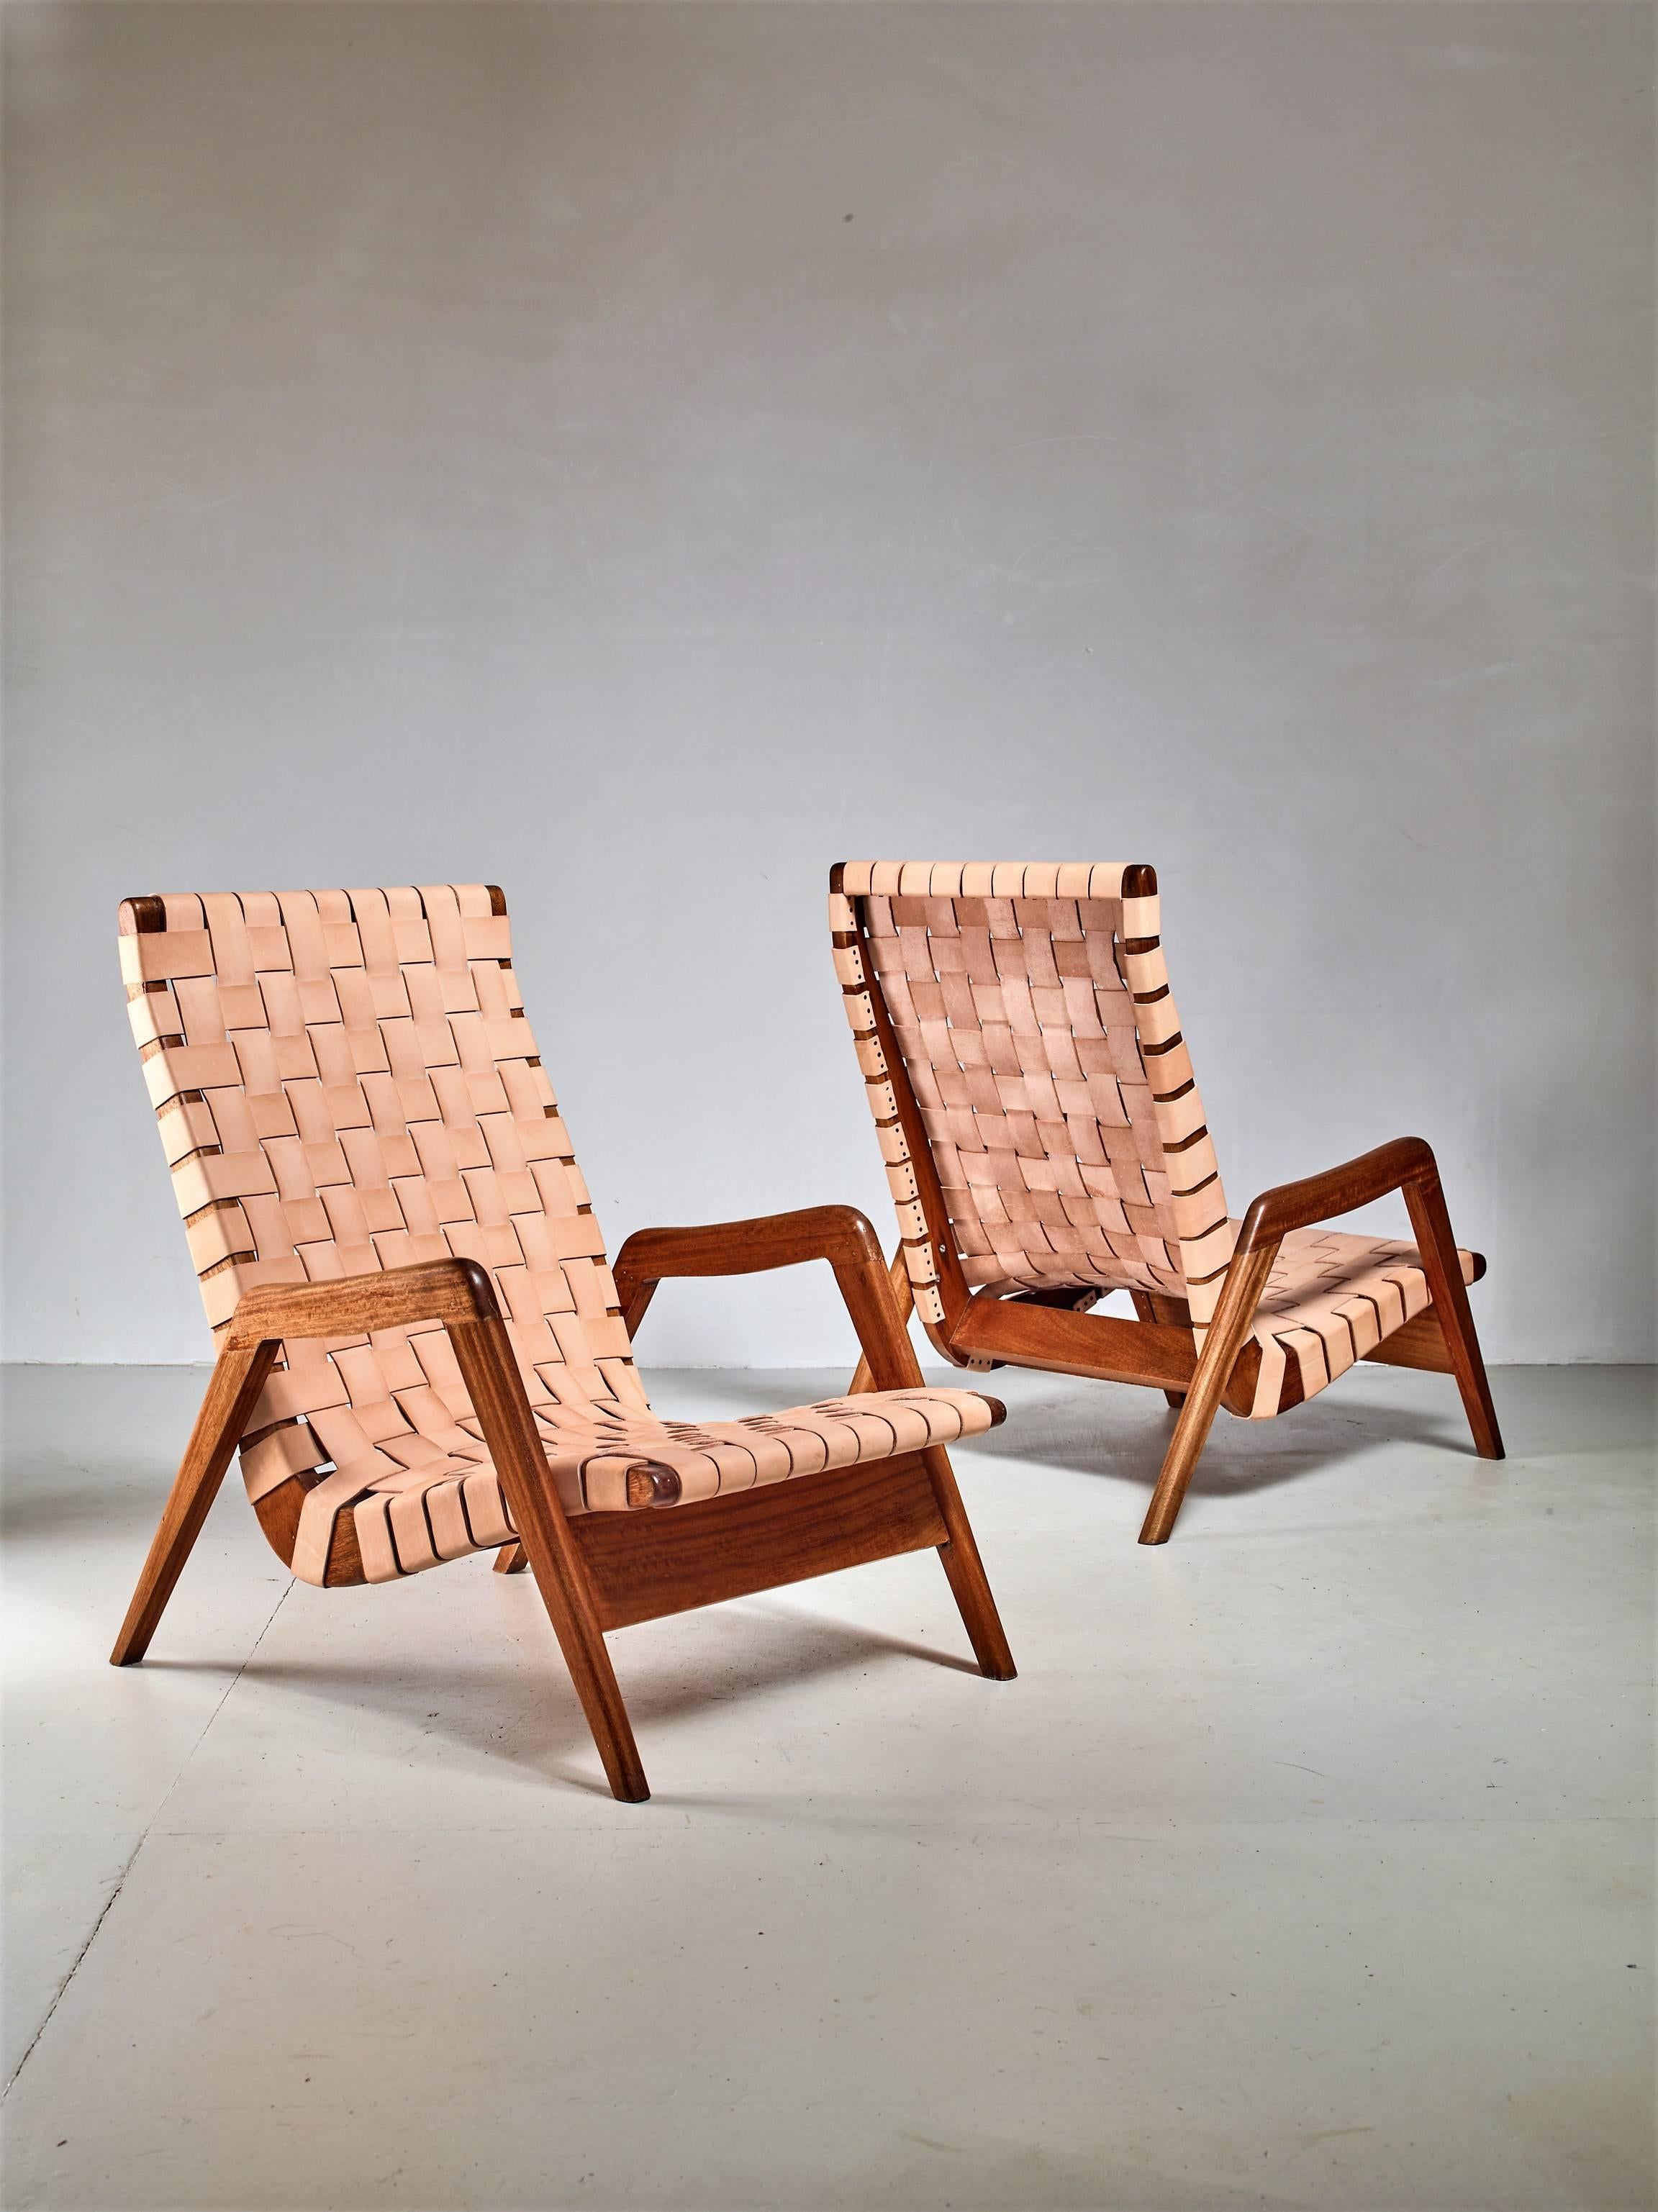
x: 903, y: 1297
x: 1246, y: 1278
x: 484, y: 1354
x: 969, y: 1584
x: 238, y: 1378
x: 1435, y: 1243
x: 878, y: 1315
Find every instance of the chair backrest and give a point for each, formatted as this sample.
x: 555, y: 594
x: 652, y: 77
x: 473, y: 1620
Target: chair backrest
x: 344, y: 1082
x: 1026, y: 1009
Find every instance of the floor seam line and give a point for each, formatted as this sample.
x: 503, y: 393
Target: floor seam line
x: 58, y: 1994
x: 184, y: 1764
x: 61, y: 1989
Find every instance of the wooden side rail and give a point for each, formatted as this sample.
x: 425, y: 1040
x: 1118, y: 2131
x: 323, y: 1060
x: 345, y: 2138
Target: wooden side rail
x: 642, y: 1565
x: 1106, y: 1345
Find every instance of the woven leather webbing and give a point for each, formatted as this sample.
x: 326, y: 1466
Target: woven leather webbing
x: 1031, y: 1009
x: 344, y: 1082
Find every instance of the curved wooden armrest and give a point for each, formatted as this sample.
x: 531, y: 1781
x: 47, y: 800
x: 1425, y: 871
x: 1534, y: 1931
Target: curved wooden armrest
x: 1406, y: 1161
x: 432, y: 1290
x: 838, y: 1234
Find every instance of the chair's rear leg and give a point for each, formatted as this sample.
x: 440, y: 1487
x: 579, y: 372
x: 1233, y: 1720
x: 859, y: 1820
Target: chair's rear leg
x: 1145, y: 1310
x: 965, y: 1569
x: 1437, y: 1243
x: 237, y: 1381
x: 512, y: 1559
x: 1246, y: 1278
x: 904, y: 1298
x: 484, y: 1354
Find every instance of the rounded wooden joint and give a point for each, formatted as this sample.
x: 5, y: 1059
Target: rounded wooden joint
x: 1140, y: 881
x: 855, y: 1232
x: 998, y: 1411
x: 1255, y: 1230
x: 651, y: 1484
x: 480, y: 1288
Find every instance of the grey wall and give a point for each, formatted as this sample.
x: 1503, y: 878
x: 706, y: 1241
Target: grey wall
x: 640, y: 454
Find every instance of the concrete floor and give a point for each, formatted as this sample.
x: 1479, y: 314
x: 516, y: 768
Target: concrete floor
x: 1306, y: 1863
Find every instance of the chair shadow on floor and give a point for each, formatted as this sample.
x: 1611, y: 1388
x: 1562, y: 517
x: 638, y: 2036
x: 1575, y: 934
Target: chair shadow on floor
x: 1243, y: 1456
x: 1120, y: 1432
x: 498, y: 1707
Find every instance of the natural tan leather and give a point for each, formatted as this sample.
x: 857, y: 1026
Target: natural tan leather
x: 1030, y: 1005
x: 1329, y: 1300
x: 345, y: 1082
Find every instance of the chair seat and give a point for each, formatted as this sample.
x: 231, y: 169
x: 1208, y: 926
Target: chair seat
x: 1330, y: 1299
x: 443, y: 1504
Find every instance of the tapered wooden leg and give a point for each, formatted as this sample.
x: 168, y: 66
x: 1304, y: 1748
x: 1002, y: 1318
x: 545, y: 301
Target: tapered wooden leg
x: 1437, y: 1244
x: 237, y: 1381
x: 879, y: 1310
x: 489, y: 1371
x: 512, y: 1560
x: 1246, y: 1278
x: 966, y: 1571
x: 1145, y: 1310
x: 904, y: 1298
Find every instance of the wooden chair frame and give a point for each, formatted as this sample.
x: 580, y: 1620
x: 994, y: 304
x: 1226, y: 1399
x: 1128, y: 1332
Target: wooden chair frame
x: 1051, y: 1330
x: 607, y: 1570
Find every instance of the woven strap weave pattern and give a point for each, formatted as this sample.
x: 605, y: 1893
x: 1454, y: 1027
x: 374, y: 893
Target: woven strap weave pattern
x: 344, y: 1082
x: 1030, y: 1006
x: 1330, y: 1299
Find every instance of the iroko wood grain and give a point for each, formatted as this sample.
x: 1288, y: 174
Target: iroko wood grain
x: 1420, y: 1343
x: 1246, y: 1278
x: 645, y: 1564
x: 496, y: 1390
x: 352, y: 1305
x: 1437, y: 1245
x: 1106, y: 1345
x: 237, y: 1380
x: 904, y: 1300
